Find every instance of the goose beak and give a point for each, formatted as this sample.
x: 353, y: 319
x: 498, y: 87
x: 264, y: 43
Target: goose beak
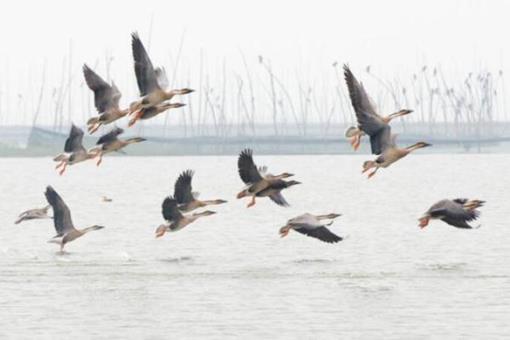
x: 160, y: 231
x: 424, y: 221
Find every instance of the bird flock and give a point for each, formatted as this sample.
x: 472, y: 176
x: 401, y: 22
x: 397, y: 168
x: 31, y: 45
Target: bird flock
x: 178, y: 209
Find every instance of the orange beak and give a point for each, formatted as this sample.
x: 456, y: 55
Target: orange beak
x: 424, y: 221
x: 160, y: 233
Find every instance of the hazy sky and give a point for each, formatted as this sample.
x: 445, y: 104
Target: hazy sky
x: 391, y: 35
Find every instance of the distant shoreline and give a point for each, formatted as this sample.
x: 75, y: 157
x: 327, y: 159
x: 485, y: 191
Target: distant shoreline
x: 43, y: 143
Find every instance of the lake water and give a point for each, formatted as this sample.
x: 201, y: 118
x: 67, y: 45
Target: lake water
x: 231, y: 275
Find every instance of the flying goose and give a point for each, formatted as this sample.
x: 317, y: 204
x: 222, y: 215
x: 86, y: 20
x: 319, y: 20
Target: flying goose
x: 74, y: 152
x: 152, y: 83
x: 369, y: 122
x: 456, y: 212
x: 391, y: 154
x: 259, y: 183
x: 106, y: 100
x: 110, y: 142
x: 175, y: 220
x: 312, y: 226
x: 187, y: 200
x: 33, y: 214
x: 66, y: 232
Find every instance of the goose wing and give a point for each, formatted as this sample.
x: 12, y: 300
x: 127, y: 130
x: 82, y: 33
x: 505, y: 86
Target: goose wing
x: 106, y: 97
x: 162, y: 77
x: 61, y: 213
x: 382, y: 140
x: 368, y: 119
x: 110, y: 136
x: 146, y: 76
x: 182, y: 190
x: 453, y: 213
x: 170, y: 210
x: 74, y: 142
x: 279, y: 199
x: 322, y: 233
x: 248, y: 171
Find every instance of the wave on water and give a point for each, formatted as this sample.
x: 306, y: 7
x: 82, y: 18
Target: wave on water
x: 177, y: 259
x: 453, y: 266
x: 312, y: 261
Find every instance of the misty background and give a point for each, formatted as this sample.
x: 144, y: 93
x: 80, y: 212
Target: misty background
x: 234, y: 53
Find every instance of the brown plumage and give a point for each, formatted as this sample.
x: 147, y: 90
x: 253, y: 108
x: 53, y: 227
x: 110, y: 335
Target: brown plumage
x: 152, y: 83
x: 110, y: 142
x: 187, y: 200
x: 175, y: 220
x: 74, y: 151
x: 456, y: 212
x: 106, y: 100
x: 311, y: 225
x: 66, y: 232
x: 369, y: 121
x: 390, y: 155
x: 259, y: 183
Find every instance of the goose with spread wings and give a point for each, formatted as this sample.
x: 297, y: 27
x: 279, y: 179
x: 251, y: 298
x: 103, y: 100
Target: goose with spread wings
x: 369, y: 121
x: 106, y: 100
x: 457, y: 212
x: 66, y: 232
x: 186, y: 198
x: 259, y: 183
x: 74, y: 151
x: 312, y: 225
x: 152, y: 83
x: 33, y: 214
x: 175, y: 220
x: 110, y: 142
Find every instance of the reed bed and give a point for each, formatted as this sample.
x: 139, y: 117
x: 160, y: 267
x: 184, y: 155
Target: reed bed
x: 238, y: 99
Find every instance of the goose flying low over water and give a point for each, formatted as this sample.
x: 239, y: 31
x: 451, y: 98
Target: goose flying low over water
x: 455, y: 212
x: 106, y: 100
x: 187, y: 200
x: 66, y: 232
x: 74, y: 152
x: 175, y: 220
x: 110, y: 142
x: 33, y: 214
x: 391, y: 153
x: 312, y: 226
x: 152, y: 82
x: 259, y: 183
x: 369, y: 122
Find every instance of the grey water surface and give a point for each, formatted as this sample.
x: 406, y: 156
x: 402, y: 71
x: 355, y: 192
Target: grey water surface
x: 230, y: 275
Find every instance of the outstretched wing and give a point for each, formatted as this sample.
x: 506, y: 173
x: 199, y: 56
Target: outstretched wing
x: 170, y: 210
x: 381, y: 140
x: 453, y: 213
x: 457, y: 223
x: 279, y: 199
x: 146, y: 76
x: 182, y: 189
x: 321, y: 233
x: 368, y: 119
x: 106, y: 97
x: 162, y: 77
x: 247, y: 169
x: 61, y: 213
x: 110, y: 136
x: 74, y: 142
